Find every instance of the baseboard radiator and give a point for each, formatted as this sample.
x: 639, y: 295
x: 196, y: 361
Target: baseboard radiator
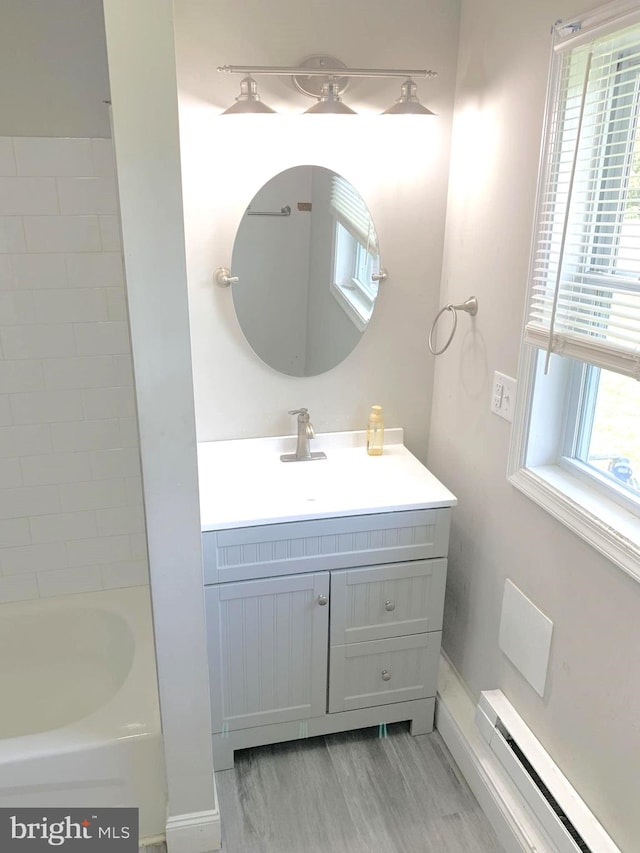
x: 565, y: 817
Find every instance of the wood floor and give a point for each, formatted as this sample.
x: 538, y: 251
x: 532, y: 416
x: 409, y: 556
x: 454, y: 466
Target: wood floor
x: 351, y: 793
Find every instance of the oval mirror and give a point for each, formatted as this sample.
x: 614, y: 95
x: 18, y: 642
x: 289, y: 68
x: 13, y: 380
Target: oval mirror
x: 305, y: 253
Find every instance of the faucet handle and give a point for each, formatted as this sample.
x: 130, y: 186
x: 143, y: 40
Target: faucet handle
x: 303, y: 412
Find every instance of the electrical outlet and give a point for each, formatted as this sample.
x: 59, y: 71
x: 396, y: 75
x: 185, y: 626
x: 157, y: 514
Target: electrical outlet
x: 503, y: 396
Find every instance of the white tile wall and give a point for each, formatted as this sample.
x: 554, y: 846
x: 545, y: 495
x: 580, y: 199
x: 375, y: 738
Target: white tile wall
x: 71, y: 514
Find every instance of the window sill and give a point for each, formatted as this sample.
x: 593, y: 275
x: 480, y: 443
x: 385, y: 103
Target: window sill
x: 604, y: 524
x: 354, y: 305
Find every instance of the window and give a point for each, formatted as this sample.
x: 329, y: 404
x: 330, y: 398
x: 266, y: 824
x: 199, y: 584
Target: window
x: 355, y: 253
x: 577, y: 439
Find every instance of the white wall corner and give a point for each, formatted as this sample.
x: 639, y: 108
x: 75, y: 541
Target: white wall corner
x: 198, y: 832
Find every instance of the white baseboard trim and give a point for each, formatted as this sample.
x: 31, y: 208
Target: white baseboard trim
x: 517, y: 829
x: 198, y: 832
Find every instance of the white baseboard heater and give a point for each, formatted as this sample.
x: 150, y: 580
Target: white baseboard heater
x: 566, y: 818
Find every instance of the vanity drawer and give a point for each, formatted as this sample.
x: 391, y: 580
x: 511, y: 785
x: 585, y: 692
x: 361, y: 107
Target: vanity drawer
x: 380, y: 672
x: 325, y: 543
x: 387, y: 601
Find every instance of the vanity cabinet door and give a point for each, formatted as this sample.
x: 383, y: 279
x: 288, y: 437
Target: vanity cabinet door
x: 267, y: 644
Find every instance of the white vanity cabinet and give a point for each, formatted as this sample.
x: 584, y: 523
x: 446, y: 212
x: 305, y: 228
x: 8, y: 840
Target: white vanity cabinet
x: 323, y: 625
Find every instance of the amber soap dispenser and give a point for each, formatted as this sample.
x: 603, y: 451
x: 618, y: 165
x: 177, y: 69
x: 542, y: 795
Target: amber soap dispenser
x: 375, y: 432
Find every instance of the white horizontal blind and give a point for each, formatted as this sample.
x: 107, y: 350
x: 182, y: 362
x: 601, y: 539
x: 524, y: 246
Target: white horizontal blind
x: 585, y: 294
x: 350, y: 210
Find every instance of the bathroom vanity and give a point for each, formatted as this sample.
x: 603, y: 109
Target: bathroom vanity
x: 324, y: 588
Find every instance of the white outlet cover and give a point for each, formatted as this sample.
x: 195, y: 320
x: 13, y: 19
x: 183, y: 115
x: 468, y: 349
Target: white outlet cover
x: 525, y: 636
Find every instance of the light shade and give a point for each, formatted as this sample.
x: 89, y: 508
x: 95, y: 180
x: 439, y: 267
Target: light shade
x: 248, y: 101
x: 408, y: 103
x: 330, y: 101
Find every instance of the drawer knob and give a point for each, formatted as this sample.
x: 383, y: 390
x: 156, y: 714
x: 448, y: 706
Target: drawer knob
x: 322, y: 600
x: 389, y: 605
x: 386, y: 675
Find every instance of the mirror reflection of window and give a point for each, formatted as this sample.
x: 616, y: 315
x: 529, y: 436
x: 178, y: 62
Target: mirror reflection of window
x: 305, y: 293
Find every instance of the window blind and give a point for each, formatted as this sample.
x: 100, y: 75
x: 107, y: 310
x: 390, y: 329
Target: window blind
x: 585, y: 280
x: 350, y: 210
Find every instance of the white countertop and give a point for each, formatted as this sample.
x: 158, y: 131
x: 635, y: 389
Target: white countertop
x: 244, y: 483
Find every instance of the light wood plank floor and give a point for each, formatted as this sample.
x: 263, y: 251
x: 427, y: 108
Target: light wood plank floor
x: 351, y: 793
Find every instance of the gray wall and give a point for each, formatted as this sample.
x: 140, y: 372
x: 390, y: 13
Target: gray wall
x: 588, y: 719
x: 53, y: 68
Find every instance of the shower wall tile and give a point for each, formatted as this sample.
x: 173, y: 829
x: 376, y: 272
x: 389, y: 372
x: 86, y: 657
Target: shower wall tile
x: 69, y: 581
x: 119, y: 520
x: 25, y: 440
x: 97, y: 372
x: 107, y: 402
x: 51, y: 468
x: 26, y: 502
x: 110, y: 230
x: 39, y: 407
x: 53, y: 156
x: 14, y: 532
x: 62, y: 233
x: 37, y: 341
x: 12, y: 234
x: 62, y: 527
x: 100, y: 551
x: 33, y: 272
x: 71, y: 508
x: 21, y: 376
x: 133, y: 573
x: 121, y: 462
x: 28, y: 195
x: 22, y: 560
x: 100, y: 269
x: 7, y: 274
x: 103, y: 159
x: 93, y: 495
x: 86, y: 195
x: 76, y: 305
x: 10, y: 474
x: 5, y: 412
x: 86, y: 435
x: 18, y: 587
x: 7, y: 158
x: 111, y: 337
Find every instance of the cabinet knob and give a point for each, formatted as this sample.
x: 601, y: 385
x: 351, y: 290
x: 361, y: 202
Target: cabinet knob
x: 322, y: 600
x: 386, y: 675
x: 389, y: 605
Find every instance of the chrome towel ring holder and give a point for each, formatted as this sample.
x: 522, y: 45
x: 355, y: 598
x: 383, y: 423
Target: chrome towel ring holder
x: 470, y: 305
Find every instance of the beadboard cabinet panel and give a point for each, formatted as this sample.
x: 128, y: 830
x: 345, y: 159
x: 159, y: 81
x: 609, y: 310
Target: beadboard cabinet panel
x: 383, y: 671
x: 324, y: 544
x: 267, y: 645
x: 387, y: 601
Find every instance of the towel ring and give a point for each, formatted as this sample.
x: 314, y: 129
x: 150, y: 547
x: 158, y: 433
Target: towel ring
x: 470, y: 305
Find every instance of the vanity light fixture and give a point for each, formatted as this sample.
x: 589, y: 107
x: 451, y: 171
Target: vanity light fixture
x: 248, y: 101
x: 330, y: 101
x: 408, y: 103
x: 325, y: 78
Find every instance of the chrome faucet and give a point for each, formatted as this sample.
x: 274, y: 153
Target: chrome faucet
x: 305, y: 434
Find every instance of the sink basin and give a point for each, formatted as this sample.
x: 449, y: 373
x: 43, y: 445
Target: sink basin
x: 244, y: 482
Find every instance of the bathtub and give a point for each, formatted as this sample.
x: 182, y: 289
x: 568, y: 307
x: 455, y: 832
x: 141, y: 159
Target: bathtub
x: 79, y: 717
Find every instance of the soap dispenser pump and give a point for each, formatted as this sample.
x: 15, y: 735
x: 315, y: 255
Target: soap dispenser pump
x: 375, y: 432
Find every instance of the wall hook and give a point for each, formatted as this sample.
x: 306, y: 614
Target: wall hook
x: 224, y: 278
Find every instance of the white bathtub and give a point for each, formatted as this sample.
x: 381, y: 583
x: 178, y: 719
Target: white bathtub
x: 79, y: 717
